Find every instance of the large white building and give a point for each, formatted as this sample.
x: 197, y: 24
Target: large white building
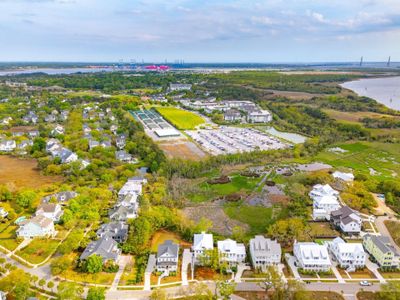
x: 312, y: 257
x: 325, y: 200
x: 350, y: 256
x: 264, y: 252
x: 231, y: 252
x: 202, y: 242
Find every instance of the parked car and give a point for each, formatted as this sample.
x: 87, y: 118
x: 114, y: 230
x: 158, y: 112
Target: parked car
x: 365, y: 283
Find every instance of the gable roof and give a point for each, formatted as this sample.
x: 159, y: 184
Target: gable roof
x: 203, y: 241
x: 104, y: 247
x: 168, y: 247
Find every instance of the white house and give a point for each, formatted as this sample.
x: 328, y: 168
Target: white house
x: 180, y: 87
x: 58, y: 130
x: 50, y: 210
x: 347, y: 220
x: 132, y: 186
x: 231, y: 252
x: 264, y: 252
x: 312, y: 257
x: 350, y: 256
x: 324, y: 201
x: 38, y: 226
x: 201, y: 242
x: 3, y: 212
x: 346, y: 177
x: 7, y: 145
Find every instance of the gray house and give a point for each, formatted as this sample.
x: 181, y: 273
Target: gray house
x: 123, y: 213
x: 60, y: 197
x: 167, y: 257
x: 105, y: 247
x: 117, y: 230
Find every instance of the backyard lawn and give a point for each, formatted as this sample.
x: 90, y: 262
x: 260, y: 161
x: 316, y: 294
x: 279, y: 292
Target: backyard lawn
x: 38, y: 250
x: 162, y: 235
x: 181, y: 119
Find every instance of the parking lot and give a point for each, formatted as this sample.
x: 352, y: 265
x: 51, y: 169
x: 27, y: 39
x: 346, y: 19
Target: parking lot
x: 226, y: 140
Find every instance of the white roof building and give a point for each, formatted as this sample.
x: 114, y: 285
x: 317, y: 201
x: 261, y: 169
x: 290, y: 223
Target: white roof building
x: 264, y: 252
x: 325, y: 200
x: 231, y: 252
x: 312, y: 257
x: 201, y: 242
x: 347, y: 177
x: 350, y: 256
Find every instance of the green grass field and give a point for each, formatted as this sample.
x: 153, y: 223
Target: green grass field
x: 38, y: 250
x: 180, y: 118
x: 211, y: 191
x: 380, y: 160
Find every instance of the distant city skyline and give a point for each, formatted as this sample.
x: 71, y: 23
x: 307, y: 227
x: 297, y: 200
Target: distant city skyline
x: 275, y: 31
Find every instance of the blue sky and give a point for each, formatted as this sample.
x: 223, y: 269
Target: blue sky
x: 199, y: 31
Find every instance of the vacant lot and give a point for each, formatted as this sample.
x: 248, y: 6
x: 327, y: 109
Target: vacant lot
x: 321, y: 230
x: 38, y: 250
x: 182, y: 149
x: 381, y: 160
x: 180, y: 118
x: 257, y: 217
x: 394, y: 230
x: 19, y: 173
x: 354, y: 116
x: 222, y: 224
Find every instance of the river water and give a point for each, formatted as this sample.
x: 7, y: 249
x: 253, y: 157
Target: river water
x: 384, y: 90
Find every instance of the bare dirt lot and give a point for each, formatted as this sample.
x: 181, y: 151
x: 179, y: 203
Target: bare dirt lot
x: 222, y: 224
x: 182, y: 149
x: 19, y: 173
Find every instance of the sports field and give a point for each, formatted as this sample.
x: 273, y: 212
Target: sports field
x: 180, y: 118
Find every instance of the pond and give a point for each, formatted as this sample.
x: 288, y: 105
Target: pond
x: 288, y: 136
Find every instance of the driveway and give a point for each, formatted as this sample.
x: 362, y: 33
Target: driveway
x: 380, y: 224
x: 151, y: 264
x: 374, y: 269
x: 187, y: 259
x: 122, y: 262
x: 291, y: 260
x: 240, y: 269
x: 336, y: 272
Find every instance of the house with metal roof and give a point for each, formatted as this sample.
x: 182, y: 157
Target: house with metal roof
x: 350, y: 256
x: 347, y: 220
x: 264, y: 252
x: 231, y: 252
x: 167, y: 257
x: 312, y: 257
x: 201, y: 243
x: 382, y: 251
x: 117, y: 230
x: 105, y: 247
x: 38, y: 226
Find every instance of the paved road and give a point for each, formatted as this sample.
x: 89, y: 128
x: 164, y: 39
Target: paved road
x: 383, y: 230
